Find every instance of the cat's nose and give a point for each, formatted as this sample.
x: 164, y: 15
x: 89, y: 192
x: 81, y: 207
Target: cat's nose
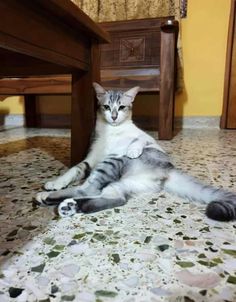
x: 114, y: 115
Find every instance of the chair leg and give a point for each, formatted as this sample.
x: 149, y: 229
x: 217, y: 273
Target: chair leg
x: 167, y: 81
x: 30, y: 111
x: 166, y: 115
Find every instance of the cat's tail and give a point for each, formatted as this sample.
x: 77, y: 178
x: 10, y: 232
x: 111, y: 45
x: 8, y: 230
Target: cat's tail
x: 221, y: 205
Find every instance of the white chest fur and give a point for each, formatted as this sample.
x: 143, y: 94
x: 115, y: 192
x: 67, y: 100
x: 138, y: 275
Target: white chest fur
x: 116, y: 139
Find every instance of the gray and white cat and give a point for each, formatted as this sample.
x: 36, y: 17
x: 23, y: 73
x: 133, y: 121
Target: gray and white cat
x: 124, y: 161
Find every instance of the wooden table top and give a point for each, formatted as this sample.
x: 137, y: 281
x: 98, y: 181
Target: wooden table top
x: 72, y: 15
x: 44, y: 37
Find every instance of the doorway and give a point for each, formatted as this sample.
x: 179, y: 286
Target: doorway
x: 228, y: 118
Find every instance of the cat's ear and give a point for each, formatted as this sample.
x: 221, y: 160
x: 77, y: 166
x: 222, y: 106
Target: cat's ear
x: 100, y: 91
x: 98, y: 88
x: 130, y: 95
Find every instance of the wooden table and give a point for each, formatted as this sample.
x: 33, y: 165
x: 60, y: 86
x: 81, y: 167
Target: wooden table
x: 53, y: 37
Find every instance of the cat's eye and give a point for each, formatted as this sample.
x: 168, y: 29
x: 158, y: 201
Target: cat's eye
x: 106, y: 107
x: 121, y: 107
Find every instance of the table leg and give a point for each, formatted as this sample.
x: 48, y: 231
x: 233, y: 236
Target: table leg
x: 83, y: 107
x: 30, y: 111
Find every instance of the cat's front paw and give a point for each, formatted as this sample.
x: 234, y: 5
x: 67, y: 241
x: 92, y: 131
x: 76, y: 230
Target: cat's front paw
x: 54, y: 185
x: 41, y: 198
x: 68, y: 208
x: 134, y: 152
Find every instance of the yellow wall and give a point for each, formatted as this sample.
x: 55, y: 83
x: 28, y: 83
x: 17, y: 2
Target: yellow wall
x: 204, y: 37
x: 11, y: 105
x: 58, y: 104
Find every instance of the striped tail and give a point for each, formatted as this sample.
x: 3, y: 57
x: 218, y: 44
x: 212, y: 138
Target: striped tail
x: 221, y: 205
x: 224, y: 209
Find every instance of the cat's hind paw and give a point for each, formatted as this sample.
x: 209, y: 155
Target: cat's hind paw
x: 41, y: 198
x: 68, y: 207
x: 134, y: 152
x: 54, y: 185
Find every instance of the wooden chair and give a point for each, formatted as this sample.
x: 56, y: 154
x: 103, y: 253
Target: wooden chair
x: 141, y: 52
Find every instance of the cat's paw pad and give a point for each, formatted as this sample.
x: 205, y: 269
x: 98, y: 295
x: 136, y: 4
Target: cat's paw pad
x: 54, y: 185
x: 134, y: 152
x: 67, y: 208
x: 41, y: 197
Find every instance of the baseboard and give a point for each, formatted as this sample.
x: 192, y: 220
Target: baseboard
x: 188, y: 122
x: 43, y: 120
x: 197, y: 122
x: 148, y: 123
x: 12, y: 120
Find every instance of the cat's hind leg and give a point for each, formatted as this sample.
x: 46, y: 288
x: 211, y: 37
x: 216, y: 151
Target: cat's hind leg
x: 115, y: 194
x: 110, y: 197
x: 76, y: 173
x: 106, y: 172
x: 55, y: 197
x: 102, y: 189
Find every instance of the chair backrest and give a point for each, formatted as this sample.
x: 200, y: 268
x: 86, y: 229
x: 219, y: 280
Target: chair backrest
x: 133, y: 56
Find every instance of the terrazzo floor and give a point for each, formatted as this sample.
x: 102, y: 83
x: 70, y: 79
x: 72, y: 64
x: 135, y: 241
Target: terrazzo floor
x: 156, y: 248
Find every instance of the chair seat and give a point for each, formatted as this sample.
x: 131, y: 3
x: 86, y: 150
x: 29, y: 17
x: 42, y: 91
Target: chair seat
x: 147, y: 78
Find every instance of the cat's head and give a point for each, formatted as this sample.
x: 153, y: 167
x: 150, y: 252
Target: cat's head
x: 115, y: 106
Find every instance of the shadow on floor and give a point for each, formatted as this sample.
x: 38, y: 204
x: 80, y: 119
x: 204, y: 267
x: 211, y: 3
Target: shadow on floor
x: 58, y: 148
x: 26, y: 165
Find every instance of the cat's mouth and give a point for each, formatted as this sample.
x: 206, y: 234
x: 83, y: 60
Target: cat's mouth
x: 114, y: 123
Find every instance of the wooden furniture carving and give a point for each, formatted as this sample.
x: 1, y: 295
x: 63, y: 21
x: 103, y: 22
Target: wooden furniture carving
x: 51, y: 37
x: 228, y: 118
x: 143, y: 53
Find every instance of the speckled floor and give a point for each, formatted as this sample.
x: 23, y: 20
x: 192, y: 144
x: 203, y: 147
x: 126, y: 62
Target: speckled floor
x: 156, y: 248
